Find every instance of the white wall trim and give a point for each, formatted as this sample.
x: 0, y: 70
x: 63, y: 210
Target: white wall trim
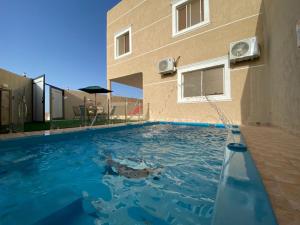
x: 145, y: 27
x: 126, y: 13
x: 183, y: 39
x: 151, y: 24
x: 202, y: 65
x: 247, y: 67
x: 118, y: 34
x: 157, y: 83
x: 206, y: 21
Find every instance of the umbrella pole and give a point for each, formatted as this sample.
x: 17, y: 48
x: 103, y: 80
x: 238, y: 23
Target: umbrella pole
x: 95, y: 99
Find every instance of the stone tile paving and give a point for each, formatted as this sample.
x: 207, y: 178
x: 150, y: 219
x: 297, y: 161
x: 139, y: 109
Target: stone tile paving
x: 277, y: 157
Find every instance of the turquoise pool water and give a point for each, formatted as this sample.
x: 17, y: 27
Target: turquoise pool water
x: 69, y: 178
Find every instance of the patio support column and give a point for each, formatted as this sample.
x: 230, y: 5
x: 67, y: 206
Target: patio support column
x: 125, y: 110
x: 109, y: 88
x: 84, y: 113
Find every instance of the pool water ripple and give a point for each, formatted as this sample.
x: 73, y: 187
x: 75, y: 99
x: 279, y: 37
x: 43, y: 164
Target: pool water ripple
x: 185, y: 162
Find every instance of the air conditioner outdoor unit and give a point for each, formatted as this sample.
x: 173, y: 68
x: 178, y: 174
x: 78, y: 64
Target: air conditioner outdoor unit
x: 244, y: 50
x: 166, y: 66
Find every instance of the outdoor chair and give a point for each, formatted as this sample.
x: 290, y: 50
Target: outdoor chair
x: 83, y: 112
x: 101, y: 113
x: 97, y: 113
x: 91, y: 111
x: 76, y: 111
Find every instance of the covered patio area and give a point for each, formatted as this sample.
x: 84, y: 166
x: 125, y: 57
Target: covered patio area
x: 133, y: 80
x: 131, y: 108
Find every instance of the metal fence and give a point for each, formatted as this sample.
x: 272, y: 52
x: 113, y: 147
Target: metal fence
x: 78, y: 111
x: 33, y: 105
x: 111, y: 111
x: 5, y: 110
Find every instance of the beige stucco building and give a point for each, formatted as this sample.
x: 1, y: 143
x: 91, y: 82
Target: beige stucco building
x: 198, y: 34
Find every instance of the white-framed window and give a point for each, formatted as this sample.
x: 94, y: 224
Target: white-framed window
x: 208, y: 78
x: 123, y: 43
x: 188, y: 15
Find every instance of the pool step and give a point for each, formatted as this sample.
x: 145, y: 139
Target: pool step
x: 59, y: 207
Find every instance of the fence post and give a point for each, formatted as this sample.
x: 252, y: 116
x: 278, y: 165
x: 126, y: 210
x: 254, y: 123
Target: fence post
x: 108, y: 111
x: 84, y: 110
x: 148, y: 111
x: 10, y: 112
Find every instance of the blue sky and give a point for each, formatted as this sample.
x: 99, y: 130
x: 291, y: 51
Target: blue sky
x: 64, y: 39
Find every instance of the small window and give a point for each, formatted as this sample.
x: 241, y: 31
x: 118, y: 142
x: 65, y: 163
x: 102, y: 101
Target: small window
x: 210, y: 78
x: 123, y: 43
x: 189, y: 14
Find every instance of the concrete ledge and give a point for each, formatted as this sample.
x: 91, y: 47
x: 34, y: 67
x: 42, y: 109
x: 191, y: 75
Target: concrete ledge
x: 5, y: 139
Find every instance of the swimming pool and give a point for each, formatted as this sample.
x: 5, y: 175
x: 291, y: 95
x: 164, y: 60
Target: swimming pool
x: 151, y: 173
x: 69, y: 176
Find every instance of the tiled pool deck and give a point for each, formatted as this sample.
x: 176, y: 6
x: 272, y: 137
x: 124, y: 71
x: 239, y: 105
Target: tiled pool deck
x: 277, y: 156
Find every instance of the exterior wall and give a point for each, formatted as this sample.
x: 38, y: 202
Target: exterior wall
x: 151, y: 24
x: 19, y: 85
x: 283, y: 64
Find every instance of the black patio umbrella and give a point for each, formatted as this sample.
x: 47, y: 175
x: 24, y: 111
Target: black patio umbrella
x: 95, y: 90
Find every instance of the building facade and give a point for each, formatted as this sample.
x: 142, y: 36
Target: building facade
x: 198, y: 34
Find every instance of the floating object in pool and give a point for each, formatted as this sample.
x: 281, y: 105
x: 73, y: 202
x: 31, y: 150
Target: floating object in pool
x: 132, y: 169
x: 137, y: 164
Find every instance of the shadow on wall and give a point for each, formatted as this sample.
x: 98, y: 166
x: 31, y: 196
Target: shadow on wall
x: 283, y: 65
x: 255, y: 99
x: 271, y: 92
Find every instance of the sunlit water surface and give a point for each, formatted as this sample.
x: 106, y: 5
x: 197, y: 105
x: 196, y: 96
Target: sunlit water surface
x: 185, y: 164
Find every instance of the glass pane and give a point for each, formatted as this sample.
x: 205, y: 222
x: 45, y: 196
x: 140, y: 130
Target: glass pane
x: 126, y: 36
x: 121, y: 45
x: 182, y: 18
x: 202, y: 10
x: 188, y: 17
x: 212, y: 83
x: 192, y: 84
x: 4, y: 100
x: 195, y: 11
x: 56, y: 109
